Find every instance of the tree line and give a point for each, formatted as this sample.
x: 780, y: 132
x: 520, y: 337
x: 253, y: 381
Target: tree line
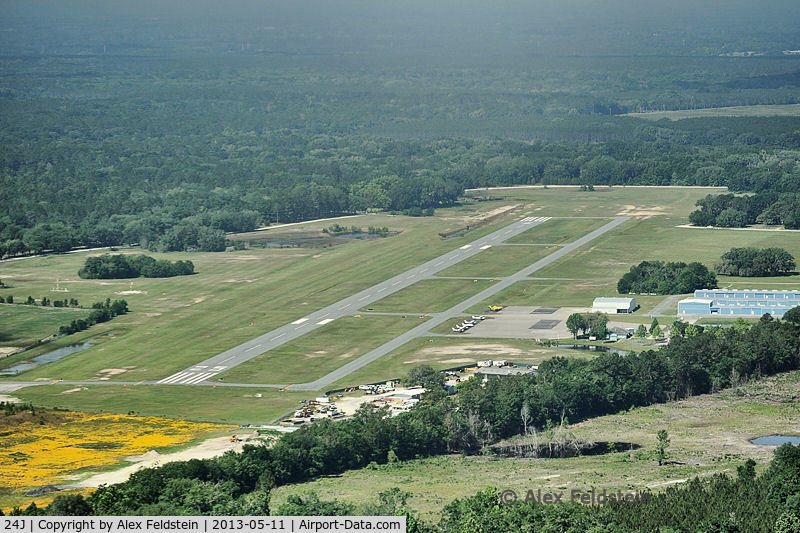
x: 121, y: 266
x: 101, y: 312
x: 756, y: 262
x: 731, y: 211
x: 294, y: 177
x: 658, y: 277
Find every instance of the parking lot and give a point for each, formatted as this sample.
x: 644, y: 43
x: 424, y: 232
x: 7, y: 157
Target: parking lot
x: 517, y: 322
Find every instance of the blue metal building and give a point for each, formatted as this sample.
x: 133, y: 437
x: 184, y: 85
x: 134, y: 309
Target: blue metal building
x: 739, y: 302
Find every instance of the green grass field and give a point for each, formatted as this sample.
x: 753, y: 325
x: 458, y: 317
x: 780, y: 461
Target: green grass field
x: 709, y: 434
x: 498, y: 261
x: 778, y: 110
x: 561, y: 293
x: 558, y: 231
x: 610, y: 256
x: 430, y: 296
x: 23, y: 325
x: 233, y: 405
x: 315, y: 354
x: 234, y: 297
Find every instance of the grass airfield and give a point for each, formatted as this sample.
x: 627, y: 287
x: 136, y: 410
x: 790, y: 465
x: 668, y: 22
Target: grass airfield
x: 236, y: 296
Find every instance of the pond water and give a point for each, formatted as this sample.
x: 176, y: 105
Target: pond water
x: 456, y: 233
x: 48, y: 357
x: 591, y: 348
x: 318, y: 240
x: 776, y: 440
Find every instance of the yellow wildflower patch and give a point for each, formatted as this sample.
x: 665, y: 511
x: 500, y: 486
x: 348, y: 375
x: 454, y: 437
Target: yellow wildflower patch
x: 45, y: 449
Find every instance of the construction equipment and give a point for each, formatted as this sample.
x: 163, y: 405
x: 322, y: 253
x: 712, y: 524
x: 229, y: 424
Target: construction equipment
x: 495, y: 308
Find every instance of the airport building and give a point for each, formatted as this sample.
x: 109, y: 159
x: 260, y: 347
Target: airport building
x: 739, y: 302
x: 613, y: 306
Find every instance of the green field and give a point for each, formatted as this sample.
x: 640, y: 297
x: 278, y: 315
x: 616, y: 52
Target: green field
x: 235, y: 296
x: 558, y: 231
x: 498, y: 261
x: 709, y: 434
x: 23, y: 325
x: 233, y: 405
x: 315, y: 354
x: 610, y: 256
x: 779, y: 110
x: 430, y: 296
x: 561, y: 293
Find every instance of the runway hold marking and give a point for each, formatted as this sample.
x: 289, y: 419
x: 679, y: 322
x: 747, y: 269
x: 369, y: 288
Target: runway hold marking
x: 175, y: 377
x: 300, y: 321
x: 323, y: 322
x: 197, y: 379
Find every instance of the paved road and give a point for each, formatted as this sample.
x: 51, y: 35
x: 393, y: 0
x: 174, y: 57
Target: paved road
x: 664, y: 304
x: 453, y: 312
x: 228, y: 359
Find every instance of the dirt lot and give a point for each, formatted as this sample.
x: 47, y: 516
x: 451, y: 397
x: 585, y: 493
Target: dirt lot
x: 206, y: 449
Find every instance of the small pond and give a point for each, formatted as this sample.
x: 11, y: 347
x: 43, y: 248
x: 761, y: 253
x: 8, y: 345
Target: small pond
x: 776, y: 440
x: 48, y: 357
x: 590, y: 348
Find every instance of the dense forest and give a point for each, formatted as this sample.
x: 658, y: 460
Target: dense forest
x: 776, y: 206
x: 755, y: 262
x: 120, y: 266
x: 145, y: 124
x: 658, y: 277
x: 695, y: 362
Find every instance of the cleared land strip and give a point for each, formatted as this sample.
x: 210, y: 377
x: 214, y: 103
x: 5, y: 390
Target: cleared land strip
x: 456, y: 310
x: 210, y: 368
